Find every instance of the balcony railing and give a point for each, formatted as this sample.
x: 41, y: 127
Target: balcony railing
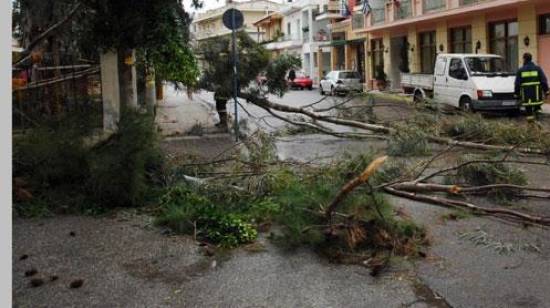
x: 433, y: 5
x: 378, y: 16
x: 404, y: 10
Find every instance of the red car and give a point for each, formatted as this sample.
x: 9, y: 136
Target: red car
x: 301, y: 81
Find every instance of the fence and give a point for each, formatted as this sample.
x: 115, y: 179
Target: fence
x: 47, y: 86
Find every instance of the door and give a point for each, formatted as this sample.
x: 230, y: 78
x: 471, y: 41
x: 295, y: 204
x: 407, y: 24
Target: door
x: 440, y: 81
x: 399, y: 57
x: 544, y: 61
x: 457, y: 81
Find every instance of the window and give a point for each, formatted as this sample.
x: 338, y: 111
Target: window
x: 461, y: 40
x: 377, y: 57
x: 404, y: 10
x: 378, y: 15
x: 349, y: 75
x: 432, y: 5
x: 288, y: 29
x: 544, y: 24
x: 456, y: 69
x: 428, y: 52
x: 468, y: 2
x: 503, y: 38
x: 358, y: 21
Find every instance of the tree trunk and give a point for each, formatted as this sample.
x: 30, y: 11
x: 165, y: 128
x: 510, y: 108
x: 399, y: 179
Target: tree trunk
x: 110, y: 91
x: 150, y: 89
x: 159, y: 89
x: 128, y: 82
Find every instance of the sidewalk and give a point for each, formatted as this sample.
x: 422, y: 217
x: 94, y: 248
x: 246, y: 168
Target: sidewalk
x: 177, y: 114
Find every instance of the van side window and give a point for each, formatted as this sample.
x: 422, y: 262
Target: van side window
x: 440, y: 66
x: 456, y: 69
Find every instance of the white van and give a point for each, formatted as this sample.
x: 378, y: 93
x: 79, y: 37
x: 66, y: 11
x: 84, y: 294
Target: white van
x: 467, y: 81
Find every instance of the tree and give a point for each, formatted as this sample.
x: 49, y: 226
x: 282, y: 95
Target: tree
x: 159, y: 28
x: 253, y: 59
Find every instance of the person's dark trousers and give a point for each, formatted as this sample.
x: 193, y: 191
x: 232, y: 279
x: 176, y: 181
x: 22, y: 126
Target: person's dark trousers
x: 222, y: 112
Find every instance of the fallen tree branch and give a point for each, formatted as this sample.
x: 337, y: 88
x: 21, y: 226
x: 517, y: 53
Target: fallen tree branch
x: 499, y: 212
x: 485, y: 161
x: 351, y: 185
x: 47, y: 33
x: 264, y: 103
x: 65, y: 77
x: 455, y: 189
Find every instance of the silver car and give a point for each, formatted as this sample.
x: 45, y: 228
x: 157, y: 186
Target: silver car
x: 341, y: 82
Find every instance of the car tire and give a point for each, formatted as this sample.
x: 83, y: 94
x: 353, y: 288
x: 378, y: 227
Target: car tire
x: 417, y: 98
x: 465, y: 104
x: 310, y: 88
x: 321, y: 90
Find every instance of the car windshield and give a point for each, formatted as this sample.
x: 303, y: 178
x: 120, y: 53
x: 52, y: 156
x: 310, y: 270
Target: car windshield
x: 349, y: 75
x: 482, y: 66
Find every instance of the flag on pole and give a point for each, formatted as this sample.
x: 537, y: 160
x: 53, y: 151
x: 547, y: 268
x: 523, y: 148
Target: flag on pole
x: 366, y: 7
x: 344, y: 9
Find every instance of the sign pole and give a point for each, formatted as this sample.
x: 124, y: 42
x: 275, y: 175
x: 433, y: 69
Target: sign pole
x: 235, y: 74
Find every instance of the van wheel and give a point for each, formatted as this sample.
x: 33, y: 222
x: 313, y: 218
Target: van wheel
x: 465, y: 104
x: 417, y: 98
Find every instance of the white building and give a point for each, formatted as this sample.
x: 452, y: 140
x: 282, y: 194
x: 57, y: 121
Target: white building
x: 305, y: 33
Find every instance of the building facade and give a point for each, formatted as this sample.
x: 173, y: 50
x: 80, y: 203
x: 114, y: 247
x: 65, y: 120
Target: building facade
x: 300, y: 28
x: 209, y: 24
x: 406, y: 35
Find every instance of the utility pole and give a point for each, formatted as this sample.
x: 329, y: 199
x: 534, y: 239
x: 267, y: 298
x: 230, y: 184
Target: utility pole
x: 233, y: 19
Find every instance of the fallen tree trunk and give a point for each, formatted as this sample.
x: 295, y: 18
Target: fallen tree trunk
x: 455, y: 189
x: 499, y: 212
x: 266, y: 104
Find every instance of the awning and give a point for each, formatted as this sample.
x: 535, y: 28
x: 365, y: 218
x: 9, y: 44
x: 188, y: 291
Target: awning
x: 338, y: 43
x: 356, y: 41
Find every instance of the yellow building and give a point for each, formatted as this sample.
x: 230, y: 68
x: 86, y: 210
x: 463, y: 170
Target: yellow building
x: 210, y: 24
x: 406, y: 35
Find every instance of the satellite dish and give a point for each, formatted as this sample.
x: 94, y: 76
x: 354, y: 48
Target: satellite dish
x: 233, y: 19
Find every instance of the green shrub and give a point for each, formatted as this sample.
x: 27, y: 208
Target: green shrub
x: 66, y: 174
x: 120, y: 168
x: 184, y: 209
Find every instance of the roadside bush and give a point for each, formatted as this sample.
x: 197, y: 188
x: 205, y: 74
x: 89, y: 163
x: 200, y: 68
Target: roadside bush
x: 121, y: 169
x: 187, y: 210
x: 65, y: 173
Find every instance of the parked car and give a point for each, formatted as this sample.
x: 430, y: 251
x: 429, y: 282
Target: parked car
x: 301, y: 81
x: 337, y: 82
x: 467, y: 81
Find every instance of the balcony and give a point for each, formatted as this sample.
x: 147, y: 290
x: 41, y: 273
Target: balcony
x: 404, y: 10
x: 433, y: 5
x: 378, y: 16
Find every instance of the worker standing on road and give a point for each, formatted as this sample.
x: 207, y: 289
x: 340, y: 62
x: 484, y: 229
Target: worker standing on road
x: 221, y: 96
x: 531, y: 86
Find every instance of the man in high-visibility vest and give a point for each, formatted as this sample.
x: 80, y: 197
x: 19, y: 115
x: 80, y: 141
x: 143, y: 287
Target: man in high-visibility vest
x: 531, y: 86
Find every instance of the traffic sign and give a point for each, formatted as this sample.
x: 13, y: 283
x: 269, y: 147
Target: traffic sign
x: 233, y: 19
